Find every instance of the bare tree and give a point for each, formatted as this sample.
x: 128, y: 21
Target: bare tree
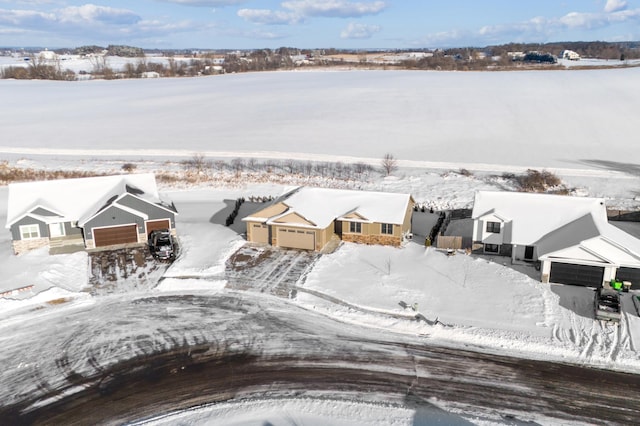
x: 197, y: 164
x: 389, y: 164
x: 237, y: 164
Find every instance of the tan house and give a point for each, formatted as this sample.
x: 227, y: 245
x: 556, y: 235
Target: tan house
x: 308, y: 218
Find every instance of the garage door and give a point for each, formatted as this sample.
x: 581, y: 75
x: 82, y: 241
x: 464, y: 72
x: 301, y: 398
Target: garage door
x: 152, y: 225
x: 115, y: 235
x: 259, y: 233
x: 292, y: 238
x: 565, y: 273
x: 629, y: 274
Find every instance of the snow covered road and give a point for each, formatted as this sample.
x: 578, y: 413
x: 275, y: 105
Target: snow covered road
x: 117, y: 359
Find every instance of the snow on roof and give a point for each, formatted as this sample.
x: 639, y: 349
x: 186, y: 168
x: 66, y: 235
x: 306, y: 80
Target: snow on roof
x: 321, y: 206
x: 535, y: 215
x: 75, y: 198
x: 571, y: 234
x: 556, y: 223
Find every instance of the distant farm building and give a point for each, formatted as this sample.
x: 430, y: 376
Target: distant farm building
x: 570, y: 55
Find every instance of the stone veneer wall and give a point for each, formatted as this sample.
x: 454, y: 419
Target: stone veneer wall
x: 22, y: 246
x: 384, y: 240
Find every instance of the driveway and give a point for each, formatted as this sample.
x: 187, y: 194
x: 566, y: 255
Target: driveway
x: 268, y: 269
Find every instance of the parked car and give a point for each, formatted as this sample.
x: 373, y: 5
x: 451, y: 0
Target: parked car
x: 161, y: 244
x: 607, y: 305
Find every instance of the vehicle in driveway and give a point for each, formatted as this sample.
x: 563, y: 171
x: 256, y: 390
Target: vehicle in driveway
x: 161, y: 244
x: 607, y: 305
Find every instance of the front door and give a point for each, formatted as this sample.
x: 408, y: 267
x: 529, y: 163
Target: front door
x: 56, y: 230
x: 528, y: 253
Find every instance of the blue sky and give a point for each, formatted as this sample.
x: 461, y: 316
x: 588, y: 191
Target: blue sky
x: 239, y: 24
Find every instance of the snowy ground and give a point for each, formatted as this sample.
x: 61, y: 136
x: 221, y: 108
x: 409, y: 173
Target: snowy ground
x: 480, y: 302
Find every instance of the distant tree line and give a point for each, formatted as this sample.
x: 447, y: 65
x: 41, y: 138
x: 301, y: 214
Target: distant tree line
x: 217, y: 62
x: 199, y: 165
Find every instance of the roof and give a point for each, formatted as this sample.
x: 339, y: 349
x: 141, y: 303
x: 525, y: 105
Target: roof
x: 561, y: 227
x: 610, y: 245
x: 535, y: 215
x: 321, y: 206
x: 75, y: 199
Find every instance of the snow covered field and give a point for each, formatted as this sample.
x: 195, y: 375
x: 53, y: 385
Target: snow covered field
x: 580, y: 124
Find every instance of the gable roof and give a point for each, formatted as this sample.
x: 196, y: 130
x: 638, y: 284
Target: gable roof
x: 535, y: 215
x: 612, y: 246
x: 562, y: 227
x: 321, y: 206
x: 76, y: 199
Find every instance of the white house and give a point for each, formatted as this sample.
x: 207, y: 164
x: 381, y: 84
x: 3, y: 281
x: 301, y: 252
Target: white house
x: 570, y: 55
x: 570, y: 237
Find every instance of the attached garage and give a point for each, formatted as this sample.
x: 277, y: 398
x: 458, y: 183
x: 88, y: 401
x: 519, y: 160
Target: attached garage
x: 260, y: 233
x: 629, y: 274
x: 297, y: 239
x: 125, y: 234
x: 583, y: 275
x: 152, y: 225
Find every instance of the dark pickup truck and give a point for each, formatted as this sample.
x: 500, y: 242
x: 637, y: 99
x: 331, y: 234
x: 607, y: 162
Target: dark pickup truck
x: 607, y: 305
x: 161, y: 244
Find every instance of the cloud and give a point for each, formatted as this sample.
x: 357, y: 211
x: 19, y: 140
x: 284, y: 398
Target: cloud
x: 297, y: 11
x: 204, y: 3
x: 615, y: 6
x: 334, y: 8
x: 359, y: 31
x: 269, y: 17
x: 91, y: 22
x: 541, y: 28
x: 90, y: 13
x: 86, y: 15
x: 537, y: 29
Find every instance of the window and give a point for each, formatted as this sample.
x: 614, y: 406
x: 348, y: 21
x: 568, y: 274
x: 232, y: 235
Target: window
x: 493, y: 227
x: 355, y: 227
x: 386, y: 228
x: 29, y: 232
x: 491, y: 248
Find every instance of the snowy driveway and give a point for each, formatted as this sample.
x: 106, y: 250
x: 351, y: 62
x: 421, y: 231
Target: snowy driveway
x: 116, y: 359
x: 268, y: 269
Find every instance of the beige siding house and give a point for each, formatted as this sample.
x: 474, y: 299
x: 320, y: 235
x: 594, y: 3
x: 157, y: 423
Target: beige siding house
x: 308, y: 218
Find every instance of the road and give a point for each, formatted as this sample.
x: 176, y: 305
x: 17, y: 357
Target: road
x: 120, y: 358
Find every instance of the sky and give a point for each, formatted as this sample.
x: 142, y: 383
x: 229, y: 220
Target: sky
x: 343, y: 24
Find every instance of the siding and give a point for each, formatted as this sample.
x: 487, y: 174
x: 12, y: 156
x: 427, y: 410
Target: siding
x: 71, y: 230
x: 406, y: 225
x: 43, y: 212
x: 153, y: 211
x: 28, y: 220
x: 112, y: 216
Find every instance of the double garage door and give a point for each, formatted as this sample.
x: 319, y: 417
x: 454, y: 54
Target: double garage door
x: 125, y: 234
x: 297, y: 239
x: 583, y: 275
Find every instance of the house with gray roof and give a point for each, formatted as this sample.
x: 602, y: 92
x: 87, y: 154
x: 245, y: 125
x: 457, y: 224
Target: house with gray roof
x: 86, y: 213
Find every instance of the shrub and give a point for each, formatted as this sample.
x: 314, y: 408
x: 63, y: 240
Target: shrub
x: 535, y: 181
x: 129, y: 167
